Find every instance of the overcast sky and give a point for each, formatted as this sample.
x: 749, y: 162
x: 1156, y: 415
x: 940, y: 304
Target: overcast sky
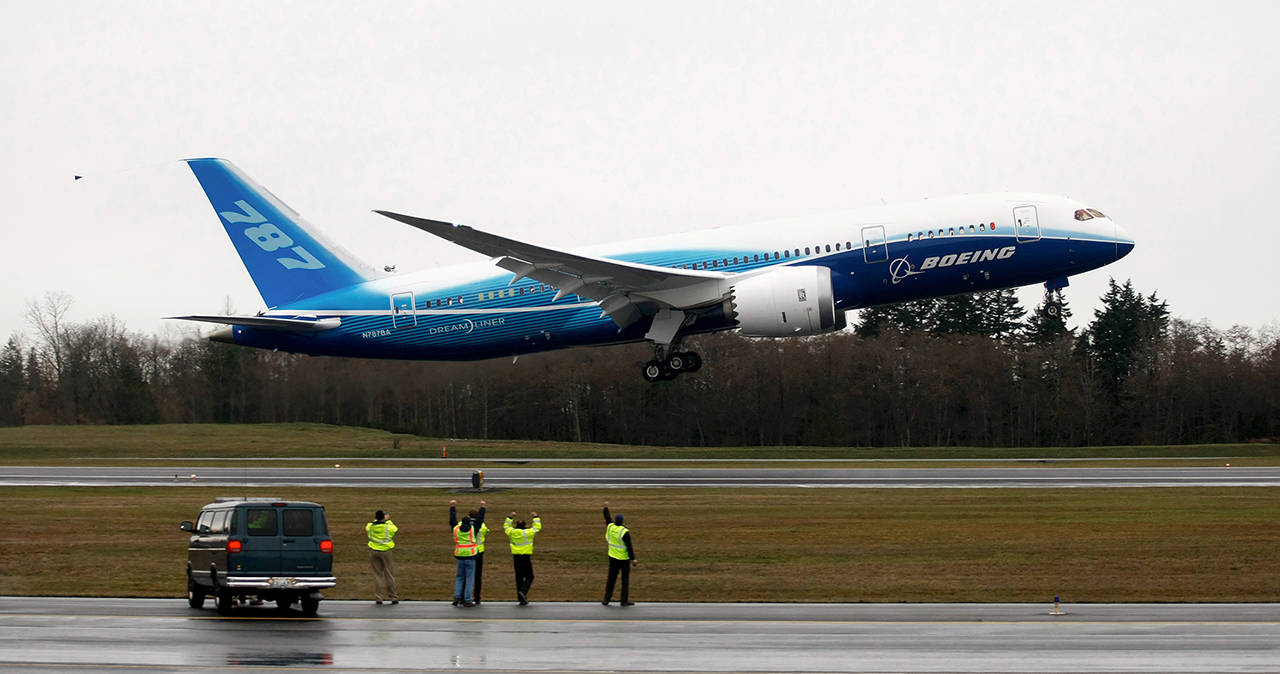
x: 579, y: 123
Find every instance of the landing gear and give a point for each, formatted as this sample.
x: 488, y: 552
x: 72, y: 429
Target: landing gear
x: 668, y: 364
x: 1053, y: 303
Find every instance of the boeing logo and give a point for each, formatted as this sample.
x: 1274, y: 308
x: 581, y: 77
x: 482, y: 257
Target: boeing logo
x: 900, y: 268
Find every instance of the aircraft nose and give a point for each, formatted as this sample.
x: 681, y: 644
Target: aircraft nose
x: 1124, y: 241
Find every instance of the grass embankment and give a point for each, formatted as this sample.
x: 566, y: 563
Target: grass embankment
x: 104, y: 444
x: 1087, y: 545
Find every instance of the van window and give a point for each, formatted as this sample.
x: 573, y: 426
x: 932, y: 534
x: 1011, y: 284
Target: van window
x: 206, y: 520
x: 219, y: 525
x: 262, y: 522
x: 298, y: 522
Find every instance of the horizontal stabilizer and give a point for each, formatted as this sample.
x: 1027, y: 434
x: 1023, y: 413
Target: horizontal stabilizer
x: 268, y: 322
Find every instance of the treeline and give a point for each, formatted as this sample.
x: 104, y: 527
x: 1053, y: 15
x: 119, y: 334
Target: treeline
x: 963, y: 370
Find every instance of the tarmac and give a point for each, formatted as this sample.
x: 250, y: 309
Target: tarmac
x: 80, y: 634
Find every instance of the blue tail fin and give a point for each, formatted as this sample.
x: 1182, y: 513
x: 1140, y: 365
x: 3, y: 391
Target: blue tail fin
x: 286, y: 257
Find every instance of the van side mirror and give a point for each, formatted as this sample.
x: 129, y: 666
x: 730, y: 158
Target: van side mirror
x: 187, y: 526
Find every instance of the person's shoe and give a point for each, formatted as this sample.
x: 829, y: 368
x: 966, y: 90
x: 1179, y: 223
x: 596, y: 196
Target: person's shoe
x: 457, y: 601
x: 476, y: 602
x: 627, y: 603
x: 520, y: 596
x: 395, y: 601
x: 468, y: 604
x: 604, y: 603
x: 524, y: 602
x: 378, y: 602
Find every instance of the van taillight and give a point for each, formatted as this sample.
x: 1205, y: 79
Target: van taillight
x: 326, y: 546
x: 233, y: 545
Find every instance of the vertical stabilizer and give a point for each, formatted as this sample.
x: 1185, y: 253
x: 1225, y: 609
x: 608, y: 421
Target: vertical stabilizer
x: 287, y: 258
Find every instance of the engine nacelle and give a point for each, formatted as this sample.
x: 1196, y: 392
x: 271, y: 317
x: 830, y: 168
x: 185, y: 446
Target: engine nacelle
x: 787, y: 302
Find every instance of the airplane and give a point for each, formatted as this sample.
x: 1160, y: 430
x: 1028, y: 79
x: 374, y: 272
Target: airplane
x: 784, y: 278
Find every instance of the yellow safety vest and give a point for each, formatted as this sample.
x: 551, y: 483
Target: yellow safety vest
x: 484, y: 529
x: 464, y: 542
x: 522, y: 539
x: 613, y: 534
x: 380, y: 534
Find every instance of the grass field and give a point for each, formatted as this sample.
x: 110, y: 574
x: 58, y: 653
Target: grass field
x: 104, y: 444
x: 800, y: 545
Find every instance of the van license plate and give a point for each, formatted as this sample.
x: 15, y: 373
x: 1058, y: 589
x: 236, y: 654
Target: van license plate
x: 283, y: 582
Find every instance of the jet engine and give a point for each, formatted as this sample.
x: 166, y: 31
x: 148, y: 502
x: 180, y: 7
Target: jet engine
x: 786, y: 302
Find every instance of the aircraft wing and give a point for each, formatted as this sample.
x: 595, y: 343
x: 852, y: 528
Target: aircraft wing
x: 626, y: 291
x: 267, y: 322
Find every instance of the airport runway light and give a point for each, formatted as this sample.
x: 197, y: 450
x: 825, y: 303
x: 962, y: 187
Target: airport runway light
x: 1056, y: 610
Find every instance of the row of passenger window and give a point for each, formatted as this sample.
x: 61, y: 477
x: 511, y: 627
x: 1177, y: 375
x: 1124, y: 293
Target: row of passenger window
x: 765, y: 257
x: 952, y: 231
x: 491, y: 295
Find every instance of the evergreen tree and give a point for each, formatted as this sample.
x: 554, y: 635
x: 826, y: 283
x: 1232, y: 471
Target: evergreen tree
x: 12, y: 382
x: 993, y: 313
x: 957, y: 315
x: 1001, y: 314
x: 1125, y: 332
x: 1044, y: 327
x: 903, y: 317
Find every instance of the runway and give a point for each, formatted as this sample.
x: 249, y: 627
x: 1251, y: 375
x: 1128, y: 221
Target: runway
x: 605, y: 478
x: 166, y: 635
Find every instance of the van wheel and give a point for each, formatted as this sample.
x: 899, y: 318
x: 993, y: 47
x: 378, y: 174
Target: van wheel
x: 195, y: 594
x: 225, y: 601
x: 284, y: 603
x: 310, y: 605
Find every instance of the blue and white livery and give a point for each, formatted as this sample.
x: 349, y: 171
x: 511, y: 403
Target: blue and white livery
x: 774, y: 279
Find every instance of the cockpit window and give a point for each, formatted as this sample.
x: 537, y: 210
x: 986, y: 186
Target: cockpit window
x: 1084, y: 214
x: 1095, y: 212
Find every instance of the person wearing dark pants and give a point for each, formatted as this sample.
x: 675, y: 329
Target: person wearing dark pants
x: 477, y: 523
x: 522, y: 552
x: 622, y: 556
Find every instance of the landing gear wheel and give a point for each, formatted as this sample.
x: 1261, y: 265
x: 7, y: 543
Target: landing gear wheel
x: 653, y: 371
x: 226, y: 601
x: 692, y: 361
x: 676, y: 362
x: 310, y: 605
x: 1052, y: 309
x: 195, y: 594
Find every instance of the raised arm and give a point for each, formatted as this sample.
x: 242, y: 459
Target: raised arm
x: 453, y: 514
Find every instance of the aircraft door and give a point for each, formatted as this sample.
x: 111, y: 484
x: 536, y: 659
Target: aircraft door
x: 1026, y: 224
x: 402, y: 311
x: 875, y: 247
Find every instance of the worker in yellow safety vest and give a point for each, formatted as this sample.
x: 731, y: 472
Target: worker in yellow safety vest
x: 466, y: 545
x: 622, y: 556
x: 521, y: 536
x: 381, y: 533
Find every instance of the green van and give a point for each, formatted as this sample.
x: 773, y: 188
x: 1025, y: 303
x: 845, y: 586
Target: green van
x: 269, y: 549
